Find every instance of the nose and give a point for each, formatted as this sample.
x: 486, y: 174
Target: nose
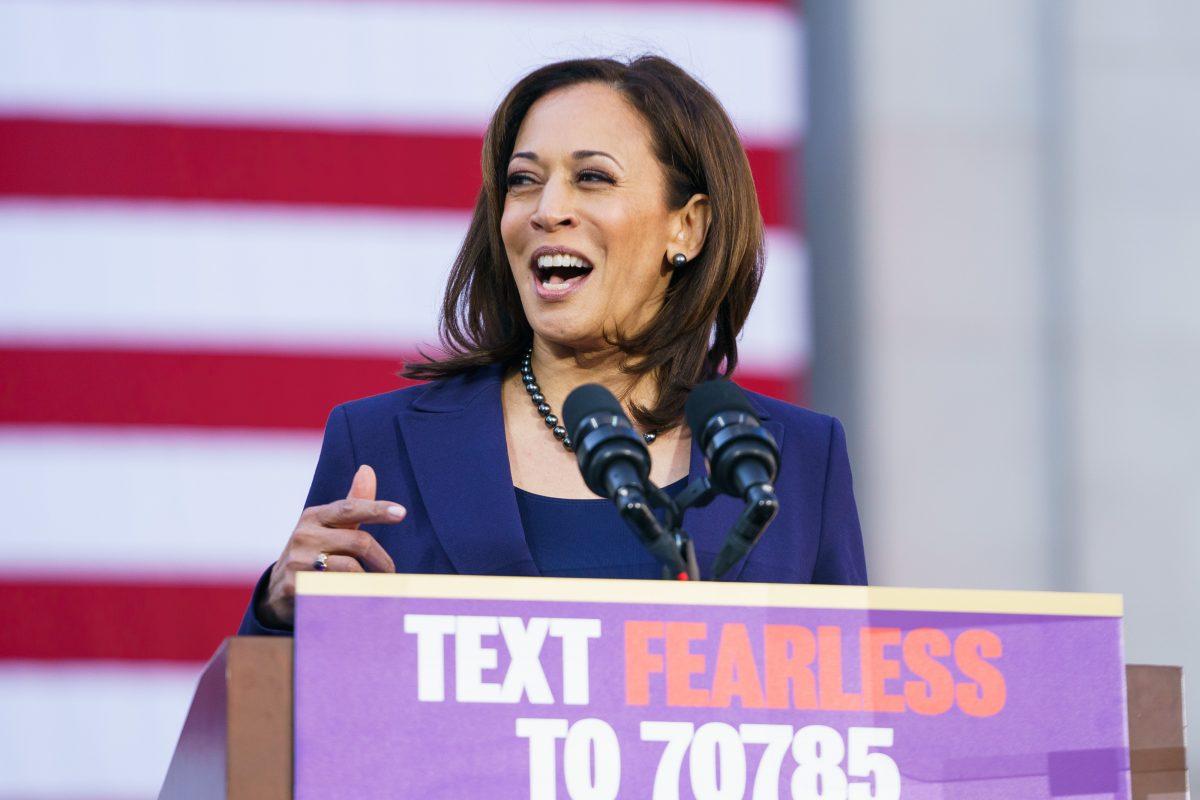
x: 554, y: 209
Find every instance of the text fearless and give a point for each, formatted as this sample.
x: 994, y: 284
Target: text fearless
x: 923, y: 670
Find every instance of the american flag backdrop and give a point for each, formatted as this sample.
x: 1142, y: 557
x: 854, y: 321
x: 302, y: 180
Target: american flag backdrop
x: 208, y: 203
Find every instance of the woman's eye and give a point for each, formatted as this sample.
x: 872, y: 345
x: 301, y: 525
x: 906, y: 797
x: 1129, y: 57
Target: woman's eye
x: 587, y: 176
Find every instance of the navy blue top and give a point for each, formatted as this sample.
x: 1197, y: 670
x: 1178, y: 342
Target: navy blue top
x: 576, y: 538
x: 440, y: 450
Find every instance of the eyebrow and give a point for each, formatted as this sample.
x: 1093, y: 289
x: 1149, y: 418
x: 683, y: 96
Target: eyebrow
x: 578, y: 154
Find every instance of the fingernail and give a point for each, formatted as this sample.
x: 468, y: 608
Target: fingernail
x: 396, y: 511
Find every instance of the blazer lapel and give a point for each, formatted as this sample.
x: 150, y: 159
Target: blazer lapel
x: 454, y: 434
x: 709, y: 526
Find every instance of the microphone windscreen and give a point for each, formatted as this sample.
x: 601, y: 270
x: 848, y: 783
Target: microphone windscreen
x: 710, y: 398
x: 591, y: 398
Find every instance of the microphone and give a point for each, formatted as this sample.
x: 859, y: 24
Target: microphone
x: 615, y: 463
x: 743, y: 460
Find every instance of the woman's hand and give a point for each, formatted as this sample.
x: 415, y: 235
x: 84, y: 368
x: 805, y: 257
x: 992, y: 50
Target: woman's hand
x: 331, y: 529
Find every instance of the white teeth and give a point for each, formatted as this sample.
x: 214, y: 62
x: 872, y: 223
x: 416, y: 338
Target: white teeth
x: 561, y: 260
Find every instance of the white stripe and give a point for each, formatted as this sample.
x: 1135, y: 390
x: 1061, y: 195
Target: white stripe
x: 403, y: 63
x: 94, y: 731
x: 250, y: 277
x: 778, y: 335
x: 225, y: 274
x: 129, y: 502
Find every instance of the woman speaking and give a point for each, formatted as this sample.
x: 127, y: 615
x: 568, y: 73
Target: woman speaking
x: 616, y: 240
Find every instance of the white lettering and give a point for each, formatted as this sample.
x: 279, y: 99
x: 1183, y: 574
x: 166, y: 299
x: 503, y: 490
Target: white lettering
x: 575, y: 634
x: 587, y: 779
x: 431, y: 630
x: 472, y: 659
x: 525, y: 674
x: 524, y: 643
x: 543, y: 754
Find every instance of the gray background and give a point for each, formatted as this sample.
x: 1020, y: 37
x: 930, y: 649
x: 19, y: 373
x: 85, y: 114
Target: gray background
x: 1005, y: 234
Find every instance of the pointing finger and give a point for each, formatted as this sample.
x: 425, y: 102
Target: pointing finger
x: 352, y: 511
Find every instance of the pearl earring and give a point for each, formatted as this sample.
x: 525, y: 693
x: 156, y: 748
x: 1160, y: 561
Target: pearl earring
x: 679, y: 259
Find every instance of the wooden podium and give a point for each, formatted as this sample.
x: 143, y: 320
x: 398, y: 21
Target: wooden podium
x: 237, y: 740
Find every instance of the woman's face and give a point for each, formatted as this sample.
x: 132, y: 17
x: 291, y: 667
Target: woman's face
x: 586, y: 226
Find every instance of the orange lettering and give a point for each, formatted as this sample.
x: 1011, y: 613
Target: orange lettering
x: 829, y: 668
x: 878, y: 669
x: 987, y: 695
x: 736, y: 674
x: 934, y: 693
x: 639, y: 661
x: 790, y: 650
x: 682, y: 664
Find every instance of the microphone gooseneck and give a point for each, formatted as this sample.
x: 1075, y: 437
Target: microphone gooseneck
x: 743, y: 460
x: 615, y: 463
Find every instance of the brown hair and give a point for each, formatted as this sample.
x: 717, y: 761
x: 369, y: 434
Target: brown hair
x: 694, y: 335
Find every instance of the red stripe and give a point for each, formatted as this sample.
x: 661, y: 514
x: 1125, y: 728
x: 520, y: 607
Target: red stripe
x: 54, y: 158
x: 779, y: 385
x: 210, y: 389
x: 61, y: 158
x: 142, y: 621
x: 110, y: 386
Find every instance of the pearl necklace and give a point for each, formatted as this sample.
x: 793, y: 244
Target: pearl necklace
x: 543, y: 408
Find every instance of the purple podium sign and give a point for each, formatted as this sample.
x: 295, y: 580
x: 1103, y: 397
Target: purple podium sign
x: 428, y: 686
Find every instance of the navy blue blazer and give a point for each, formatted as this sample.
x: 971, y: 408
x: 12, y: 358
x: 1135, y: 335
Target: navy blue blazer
x: 439, y: 450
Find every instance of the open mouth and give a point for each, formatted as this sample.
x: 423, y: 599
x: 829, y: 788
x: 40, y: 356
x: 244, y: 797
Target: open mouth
x: 560, y: 272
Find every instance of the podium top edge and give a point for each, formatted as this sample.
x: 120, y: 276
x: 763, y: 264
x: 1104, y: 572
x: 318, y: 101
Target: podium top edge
x: 781, y: 595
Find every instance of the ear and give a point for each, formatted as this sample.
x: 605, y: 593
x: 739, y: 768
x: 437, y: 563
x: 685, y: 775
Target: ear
x: 690, y: 227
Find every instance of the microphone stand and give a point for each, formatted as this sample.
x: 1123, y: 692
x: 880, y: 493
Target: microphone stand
x: 635, y: 510
x: 759, y: 512
x: 698, y: 494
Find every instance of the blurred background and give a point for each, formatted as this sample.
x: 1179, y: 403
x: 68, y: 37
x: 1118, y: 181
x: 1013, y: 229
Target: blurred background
x: 982, y: 255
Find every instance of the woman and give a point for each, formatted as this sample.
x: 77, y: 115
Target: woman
x: 616, y: 240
